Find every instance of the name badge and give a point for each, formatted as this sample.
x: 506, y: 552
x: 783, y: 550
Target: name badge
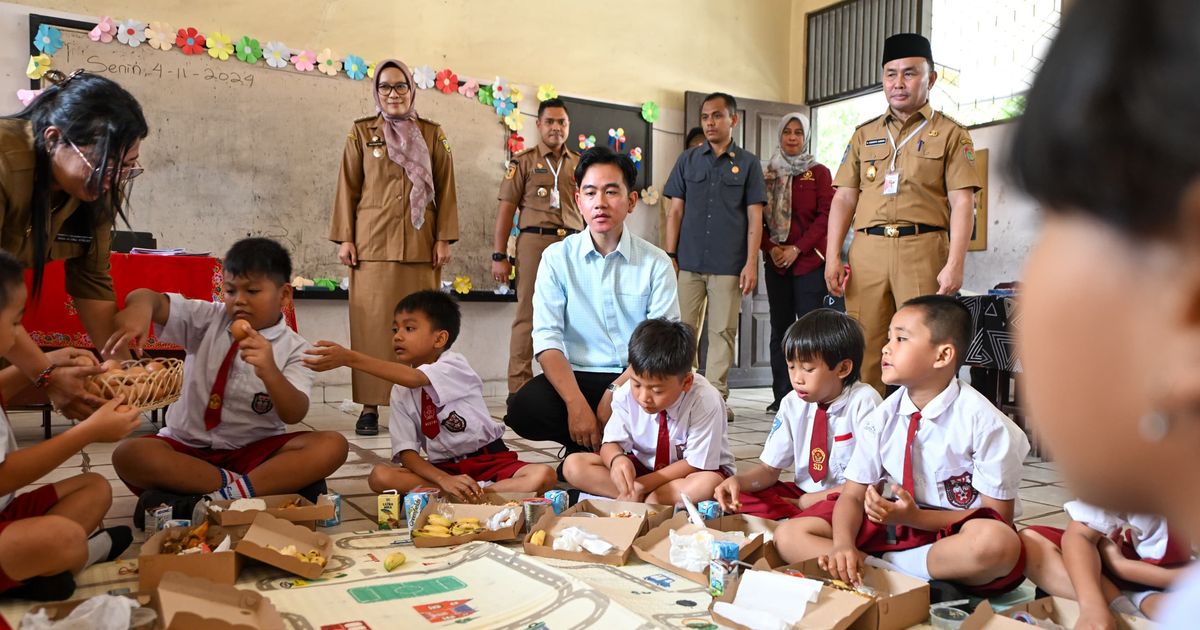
x: 541, y: 170
x: 73, y: 238
x: 891, y: 183
x: 876, y: 141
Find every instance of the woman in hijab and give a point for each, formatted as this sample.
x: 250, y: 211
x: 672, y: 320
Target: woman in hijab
x: 799, y: 192
x: 394, y: 218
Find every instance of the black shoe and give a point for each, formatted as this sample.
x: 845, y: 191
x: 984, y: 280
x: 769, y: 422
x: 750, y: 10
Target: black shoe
x: 120, y: 536
x: 48, y: 588
x: 368, y: 424
x: 773, y: 407
x: 943, y: 591
x: 572, y: 496
x: 182, y: 505
x: 508, y: 401
x: 313, y: 490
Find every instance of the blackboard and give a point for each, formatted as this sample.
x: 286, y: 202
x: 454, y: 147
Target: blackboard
x: 593, y: 118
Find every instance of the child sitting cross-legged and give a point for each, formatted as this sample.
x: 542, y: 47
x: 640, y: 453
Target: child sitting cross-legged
x: 666, y: 437
x: 437, y: 406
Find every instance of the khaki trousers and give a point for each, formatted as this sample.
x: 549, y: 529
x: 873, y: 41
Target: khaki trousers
x: 720, y: 297
x: 520, y: 346
x: 375, y: 288
x: 884, y: 273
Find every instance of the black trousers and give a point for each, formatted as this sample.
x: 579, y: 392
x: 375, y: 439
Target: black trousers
x: 538, y: 413
x: 790, y: 298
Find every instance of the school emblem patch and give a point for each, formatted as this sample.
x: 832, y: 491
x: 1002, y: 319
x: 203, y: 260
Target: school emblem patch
x: 454, y: 423
x: 262, y: 403
x: 959, y: 491
x: 775, y: 426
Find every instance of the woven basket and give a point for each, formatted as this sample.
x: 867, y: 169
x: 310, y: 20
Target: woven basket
x: 144, y: 389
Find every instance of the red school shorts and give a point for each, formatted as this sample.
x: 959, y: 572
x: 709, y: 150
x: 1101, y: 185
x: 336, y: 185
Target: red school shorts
x: 239, y: 460
x: 771, y: 502
x: 873, y: 539
x: 485, y: 466
x: 28, y: 505
x: 1173, y: 558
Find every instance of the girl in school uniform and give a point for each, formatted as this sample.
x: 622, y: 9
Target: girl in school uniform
x: 1110, y: 324
x: 394, y: 218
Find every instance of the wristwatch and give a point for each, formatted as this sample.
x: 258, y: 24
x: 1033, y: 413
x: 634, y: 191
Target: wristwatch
x: 497, y: 257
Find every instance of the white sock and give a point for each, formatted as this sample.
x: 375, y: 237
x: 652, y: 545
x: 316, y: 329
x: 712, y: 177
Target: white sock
x: 1135, y: 599
x: 98, y: 547
x: 912, y: 562
x: 233, y: 486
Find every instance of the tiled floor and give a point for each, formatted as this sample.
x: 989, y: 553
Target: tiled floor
x: 1041, y: 493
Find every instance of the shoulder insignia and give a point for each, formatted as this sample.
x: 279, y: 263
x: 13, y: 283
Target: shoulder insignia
x: 512, y: 171
x: 445, y: 143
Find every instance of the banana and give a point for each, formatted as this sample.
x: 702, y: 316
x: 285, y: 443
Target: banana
x: 468, y: 520
x: 421, y: 532
x: 393, y: 560
x: 538, y: 538
x: 436, y: 528
x: 438, y: 519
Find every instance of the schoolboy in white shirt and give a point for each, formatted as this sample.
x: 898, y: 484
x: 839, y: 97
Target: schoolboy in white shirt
x: 437, y: 407
x: 666, y: 436
x: 957, y: 459
x: 814, y: 428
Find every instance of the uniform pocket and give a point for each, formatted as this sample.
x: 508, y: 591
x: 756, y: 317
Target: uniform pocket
x: 733, y: 188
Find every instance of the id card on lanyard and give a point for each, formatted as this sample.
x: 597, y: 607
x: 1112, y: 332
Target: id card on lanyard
x: 891, y: 179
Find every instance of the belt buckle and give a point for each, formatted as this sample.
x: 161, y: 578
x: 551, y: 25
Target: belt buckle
x: 891, y: 231
x: 560, y: 232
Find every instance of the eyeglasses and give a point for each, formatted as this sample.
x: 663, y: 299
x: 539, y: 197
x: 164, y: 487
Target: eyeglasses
x: 125, y: 174
x: 400, y: 88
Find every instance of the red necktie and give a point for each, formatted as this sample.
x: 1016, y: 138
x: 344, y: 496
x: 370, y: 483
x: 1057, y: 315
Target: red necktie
x: 818, y: 452
x: 216, y: 400
x: 429, y: 420
x: 662, y: 453
x: 913, y: 422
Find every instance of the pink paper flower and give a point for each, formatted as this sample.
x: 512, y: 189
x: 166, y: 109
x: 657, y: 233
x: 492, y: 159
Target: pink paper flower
x: 469, y: 88
x: 304, y: 60
x: 104, y: 31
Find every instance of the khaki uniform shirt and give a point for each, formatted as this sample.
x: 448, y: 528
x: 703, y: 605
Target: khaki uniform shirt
x: 529, y: 181
x: 940, y: 158
x: 82, y: 240
x: 371, y: 207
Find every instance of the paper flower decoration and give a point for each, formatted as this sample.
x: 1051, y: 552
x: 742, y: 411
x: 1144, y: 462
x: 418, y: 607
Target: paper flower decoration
x: 516, y: 143
x: 103, y: 32
x: 503, y: 106
x: 586, y: 142
x: 484, y: 95
x: 327, y: 63
x: 304, y: 60
x: 650, y: 196
x: 160, y: 35
x: 248, y: 50
x: 636, y: 156
x: 190, y: 41
x: 48, y: 39
x: 447, y: 81
x: 546, y: 92
x: 500, y: 88
x: 370, y: 71
x: 424, y: 77
x: 132, y: 33
x: 469, y: 88
x: 38, y: 66
x: 276, y: 54
x: 462, y: 284
x: 355, y: 67
x: 616, y: 138
x: 513, y: 120
x: 650, y: 112
x: 26, y: 96
x: 514, y: 94
x: 219, y: 46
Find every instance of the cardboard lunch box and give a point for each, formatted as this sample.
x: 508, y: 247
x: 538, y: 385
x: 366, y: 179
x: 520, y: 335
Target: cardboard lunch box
x: 653, y: 515
x: 192, y: 603
x: 834, y: 609
x: 1056, y: 609
x: 495, y: 498
x: 220, y: 568
x: 902, y: 600
x: 460, y: 510
x: 268, y: 534
x: 304, y: 512
x: 619, y: 532
x: 655, y: 546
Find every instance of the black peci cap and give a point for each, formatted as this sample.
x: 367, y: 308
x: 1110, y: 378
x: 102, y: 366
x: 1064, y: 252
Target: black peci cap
x: 902, y: 45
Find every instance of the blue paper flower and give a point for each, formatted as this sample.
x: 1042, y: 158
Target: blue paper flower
x: 503, y: 106
x: 355, y: 67
x: 48, y: 39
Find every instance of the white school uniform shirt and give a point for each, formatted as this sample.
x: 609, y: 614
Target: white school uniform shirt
x: 1148, y: 532
x: 465, y: 426
x: 249, y: 414
x: 789, y: 442
x: 964, y: 447
x: 696, y: 423
x: 8, y: 444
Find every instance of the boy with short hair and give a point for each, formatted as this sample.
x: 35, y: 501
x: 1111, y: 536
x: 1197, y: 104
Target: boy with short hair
x: 666, y: 436
x: 227, y: 437
x: 437, y: 406
x: 957, y: 458
x: 44, y: 532
x: 816, y: 423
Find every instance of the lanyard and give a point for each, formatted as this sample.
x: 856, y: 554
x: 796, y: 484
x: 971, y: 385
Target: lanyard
x: 555, y: 170
x: 896, y: 147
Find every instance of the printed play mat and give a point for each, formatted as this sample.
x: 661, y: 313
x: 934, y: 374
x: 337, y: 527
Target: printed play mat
x: 476, y: 585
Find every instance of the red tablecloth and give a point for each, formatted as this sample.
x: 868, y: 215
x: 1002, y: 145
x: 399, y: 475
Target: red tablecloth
x: 52, y: 320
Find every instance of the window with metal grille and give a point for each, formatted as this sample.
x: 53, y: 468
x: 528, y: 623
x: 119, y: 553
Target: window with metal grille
x: 845, y: 43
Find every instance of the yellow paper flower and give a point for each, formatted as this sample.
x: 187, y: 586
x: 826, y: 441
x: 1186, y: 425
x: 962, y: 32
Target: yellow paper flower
x: 370, y: 71
x: 512, y: 273
x: 514, y: 121
x: 160, y: 35
x: 514, y: 94
x: 462, y: 284
x: 546, y: 92
x: 219, y: 46
x: 328, y: 63
x: 39, y: 65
